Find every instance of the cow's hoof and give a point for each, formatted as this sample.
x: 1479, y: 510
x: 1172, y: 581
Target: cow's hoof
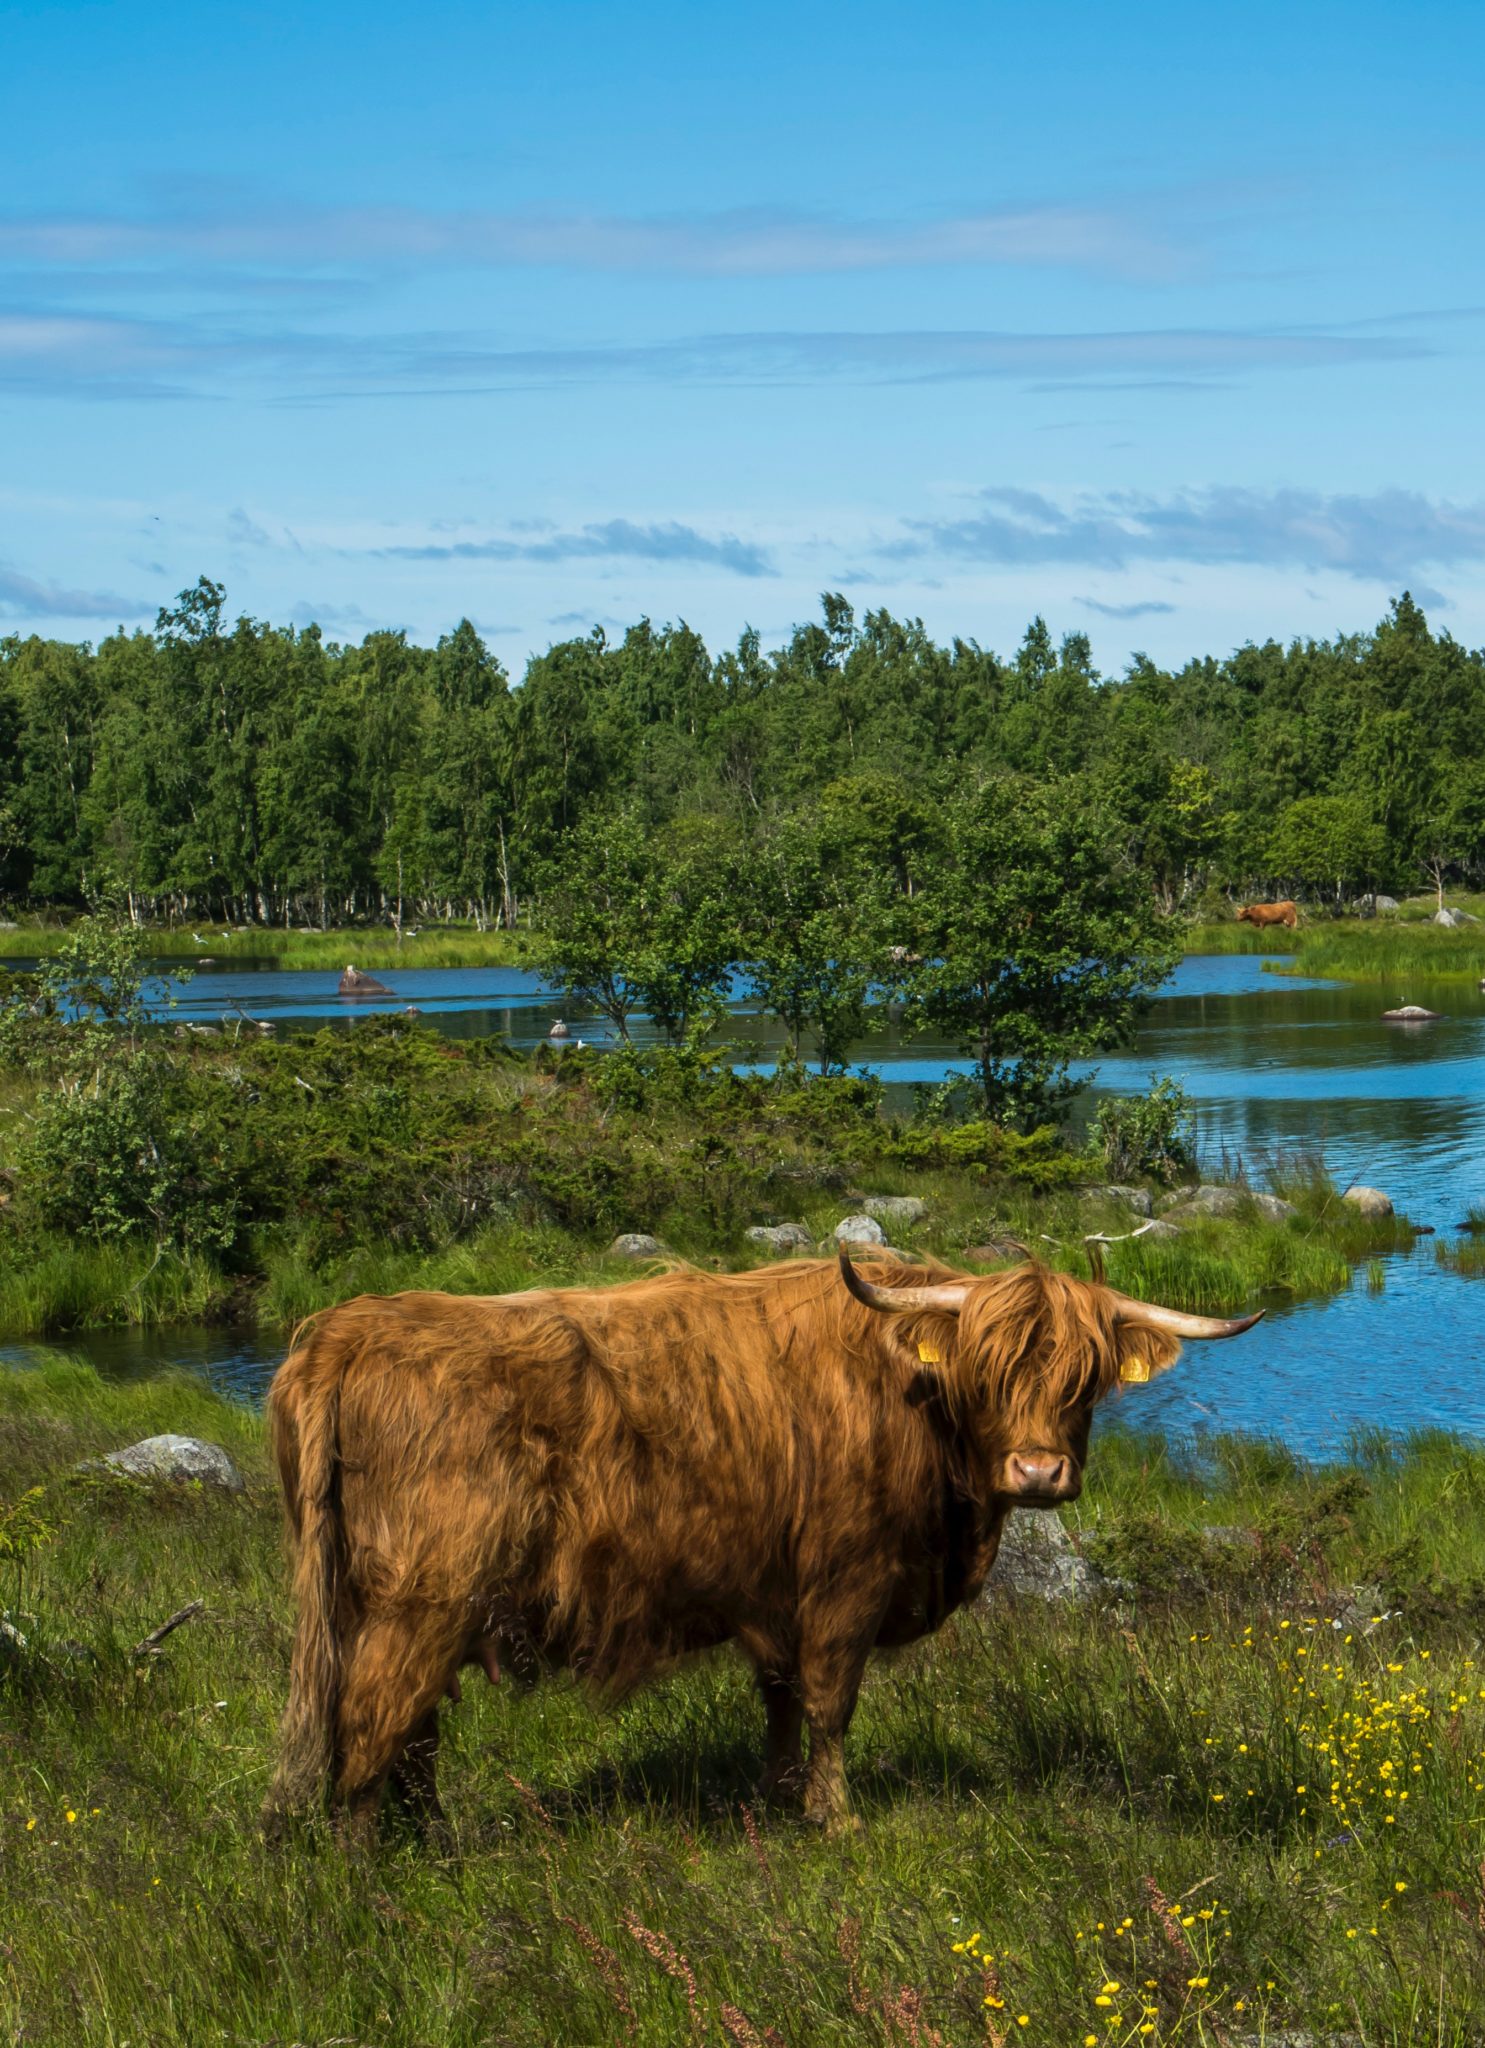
x: 842, y: 1827
x: 836, y: 1823
x: 781, y: 1787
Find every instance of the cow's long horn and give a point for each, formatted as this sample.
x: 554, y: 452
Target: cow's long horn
x: 1150, y: 1315
x: 947, y: 1297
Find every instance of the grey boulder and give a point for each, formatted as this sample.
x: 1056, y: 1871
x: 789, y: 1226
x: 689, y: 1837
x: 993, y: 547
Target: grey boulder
x: 1208, y: 1201
x: 636, y: 1244
x: 1037, y: 1560
x: 1274, y: 1209
x: 1370, y: 1201
x: 782, y: 1239
x: 1454, y: 918
x: 860, y: 1230
x: 178, y: 1459
x: 1137, y: 1199
x: 904, y: 1210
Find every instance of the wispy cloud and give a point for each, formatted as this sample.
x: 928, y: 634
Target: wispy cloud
x: 612, y: 538
x: 1384, y: 536
x: 1143, y: 610
x: 29, y: 597
x: 67, y: 354
x: 741, y: 242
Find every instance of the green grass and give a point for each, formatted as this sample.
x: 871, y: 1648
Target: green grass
x: 1464, y: 1255
x: 1038, y: 1779
x: 368, y: 946
x: 1231, y: 937
x: 1217, y: 1265
x: 1390, y: 950
x: 70, y: 1284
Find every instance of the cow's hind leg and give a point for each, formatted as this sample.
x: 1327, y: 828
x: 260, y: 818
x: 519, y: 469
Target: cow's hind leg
x: 783, y: 1770
x: 398, y: 1669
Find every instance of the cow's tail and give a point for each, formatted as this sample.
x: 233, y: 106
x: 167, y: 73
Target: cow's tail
x: 304, y: 1414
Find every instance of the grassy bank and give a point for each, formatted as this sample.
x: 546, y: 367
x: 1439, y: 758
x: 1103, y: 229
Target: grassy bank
x: 367, y: 946
x: 1210, y: 1809
x: 539, y: 1183
x: 1394, y: 954
x: 1383, y: 950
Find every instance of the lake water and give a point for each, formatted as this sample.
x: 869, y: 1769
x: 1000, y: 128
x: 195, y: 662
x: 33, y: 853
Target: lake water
x: 1272, y: 1063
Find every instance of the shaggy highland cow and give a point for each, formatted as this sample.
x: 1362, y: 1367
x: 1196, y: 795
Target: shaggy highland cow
x: 803, y: 1461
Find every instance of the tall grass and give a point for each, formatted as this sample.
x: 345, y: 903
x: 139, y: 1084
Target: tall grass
x: 1465, y: 1256
x: 61, y: 1284
x: 1396, y: 954
x: 1355, y: 949
x: 1240, y: 938
x: 74, y: 1284
x: 1055, y: 1800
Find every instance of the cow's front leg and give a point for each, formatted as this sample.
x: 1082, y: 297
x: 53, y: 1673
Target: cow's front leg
x: 783, y: 1769
x: 414, y: 1782
x: 830, y: 1679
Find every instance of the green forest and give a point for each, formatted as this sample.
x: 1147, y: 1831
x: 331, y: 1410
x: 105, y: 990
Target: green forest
x: 253, y: 774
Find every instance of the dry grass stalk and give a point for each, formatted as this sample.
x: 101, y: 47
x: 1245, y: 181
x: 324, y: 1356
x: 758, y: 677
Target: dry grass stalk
x: 670, y: 1959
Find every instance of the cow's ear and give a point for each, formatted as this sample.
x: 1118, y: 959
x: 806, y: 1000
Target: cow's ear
x: 1144, y: 1355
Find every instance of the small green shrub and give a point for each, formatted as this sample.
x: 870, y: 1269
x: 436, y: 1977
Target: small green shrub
x: 119, y: 1155
x: 1142, y: 1136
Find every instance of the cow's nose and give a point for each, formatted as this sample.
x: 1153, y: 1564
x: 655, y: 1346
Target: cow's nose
x: 1038, y: 1473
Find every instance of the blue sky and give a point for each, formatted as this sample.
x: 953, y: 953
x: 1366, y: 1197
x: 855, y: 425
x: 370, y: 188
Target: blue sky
x: 1165, y: 322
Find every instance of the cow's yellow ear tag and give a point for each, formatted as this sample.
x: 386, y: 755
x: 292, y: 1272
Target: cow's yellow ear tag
x: 930, y: 1354
x: 1135, y: 1370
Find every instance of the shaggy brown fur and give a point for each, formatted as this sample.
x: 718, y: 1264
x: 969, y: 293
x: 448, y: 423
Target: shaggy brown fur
x: 615, y: 1478
x: 1269, y: 913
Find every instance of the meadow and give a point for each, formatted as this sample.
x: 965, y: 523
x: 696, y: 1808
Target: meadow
x: 1241, y: 1792
x: 368, y: 946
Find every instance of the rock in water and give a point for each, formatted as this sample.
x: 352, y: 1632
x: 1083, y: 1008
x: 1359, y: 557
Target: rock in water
x: 1370, y: 1201
x: 354, y: 983
x: 178, y: 1459
x: 1411, y: 1013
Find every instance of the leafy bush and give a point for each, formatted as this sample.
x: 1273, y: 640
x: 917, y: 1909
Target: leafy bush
x: 120, y: 1155
x: 1147, y: 1135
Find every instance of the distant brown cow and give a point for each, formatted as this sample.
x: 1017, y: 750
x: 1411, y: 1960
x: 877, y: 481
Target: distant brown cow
x: 1270, y: 913
x: 800, y: 1460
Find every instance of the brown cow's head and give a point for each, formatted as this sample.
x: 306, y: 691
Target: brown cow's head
x: 1245, y: 915
x: 1021, y: 1358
